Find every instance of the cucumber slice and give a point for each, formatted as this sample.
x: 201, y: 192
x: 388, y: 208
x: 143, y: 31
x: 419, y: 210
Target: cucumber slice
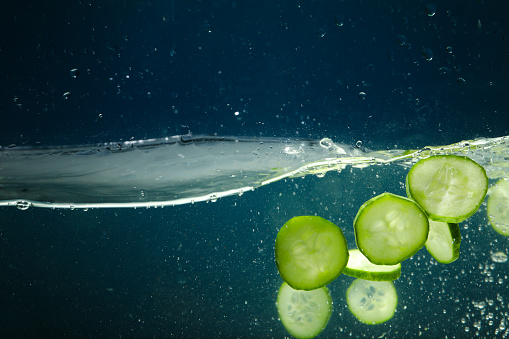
x: 304, y: 314
x: 390, y: 229
x: 310, y: 252
x: 372, y: 302
x: 498, y: 207
x: 360, y: 267
x: 448, y: 188
x: 444, y: 241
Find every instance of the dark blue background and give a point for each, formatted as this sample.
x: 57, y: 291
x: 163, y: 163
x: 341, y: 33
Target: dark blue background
x: 290, y: 69
x: 157, y: 68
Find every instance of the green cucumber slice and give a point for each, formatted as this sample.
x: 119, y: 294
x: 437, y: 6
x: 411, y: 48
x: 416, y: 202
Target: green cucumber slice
x: 304, y: 314
x: 444, y: 241
x: 498, y: 207
x: 360, y: 267
x: 448, y: 188
x: 310, y: 252
x: 372, y: 302
x: 390, y: 229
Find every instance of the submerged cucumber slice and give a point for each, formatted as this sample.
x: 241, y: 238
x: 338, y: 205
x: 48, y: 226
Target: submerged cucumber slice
x: 448, y: 188
x: 444, y: 241
x: 372, y: 302
x: 498, y: 207
x: 390, y: 229
x: 304, y: 314
x: 310, y: 252
x: 360, y: 267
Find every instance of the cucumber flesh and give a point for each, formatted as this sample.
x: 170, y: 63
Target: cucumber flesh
x: 448, y: 188
x: 498, y: 207
x: 444, y: 241
x: 360, y: 267
x: 310, y: 252
x: 372, y: 302
x: 304, y: 314
x: 390, y: 229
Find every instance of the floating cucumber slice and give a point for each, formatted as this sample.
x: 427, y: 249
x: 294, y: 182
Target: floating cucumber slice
x: 304, y: 314
x: 310, y: 252
x: 448, y: 188
x: 390, y: 229
x: 444, y: 241
x: 498, y: 207
x: 372, y: 302
x: 360, y: 267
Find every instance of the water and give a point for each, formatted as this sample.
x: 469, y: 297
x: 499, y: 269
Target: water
x: 190, y: 254
x: 184, y: 169
x: 215, y: 274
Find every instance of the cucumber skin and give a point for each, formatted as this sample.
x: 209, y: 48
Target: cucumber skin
x: 442, y: 218
x: 385, y: 276
x: 370, y: 275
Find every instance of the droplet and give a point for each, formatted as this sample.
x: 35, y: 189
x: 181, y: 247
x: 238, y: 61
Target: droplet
x: 23, y: 205
x: 401, y: 39
x: 67, y: 95
x: 339, y: 21
x: 499, y: 257
x: 427, y: 53
x: 181, y: 279
x: 362, y: 95
x: 74, y: 73
x: 431, y: 9
x: 326, y: 143
x: 444, y: 70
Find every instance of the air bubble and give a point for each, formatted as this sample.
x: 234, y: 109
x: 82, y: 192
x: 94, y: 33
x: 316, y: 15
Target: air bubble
x: 431, y: 9
x: 499, y: 257
x: 362, y: 95
x: 427, y: 53
x: 326, y: 143
x: 339, y: 21
x: 401, y: 39
x: 358, y: 144
x: 213, y: 198
x: 66, y: 95
x: 74, y: 73
x: 448, y: 49
x: 23, y: 205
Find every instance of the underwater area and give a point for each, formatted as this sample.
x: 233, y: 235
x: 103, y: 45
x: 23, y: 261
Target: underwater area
x: 150, y: 152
